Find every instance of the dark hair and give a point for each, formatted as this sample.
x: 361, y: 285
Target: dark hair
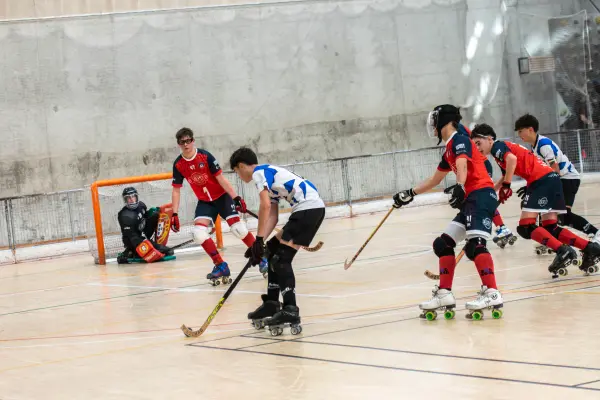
x: 242, y: 155
x: 483, y: 130
x: 527, y: 121
x: 183, y: 132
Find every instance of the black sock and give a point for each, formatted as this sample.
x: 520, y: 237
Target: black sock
x: 582, y: 224
x: 273, y: 285
x: 287, y: 282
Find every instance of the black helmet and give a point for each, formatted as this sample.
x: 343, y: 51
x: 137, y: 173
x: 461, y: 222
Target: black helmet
x: 440, y: 117
x: 130, y: 193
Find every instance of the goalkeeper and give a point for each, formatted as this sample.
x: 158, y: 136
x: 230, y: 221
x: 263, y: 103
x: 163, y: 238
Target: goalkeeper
x: 139, y: 230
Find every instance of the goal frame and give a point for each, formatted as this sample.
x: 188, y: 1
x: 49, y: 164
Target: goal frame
x: 124, y: 181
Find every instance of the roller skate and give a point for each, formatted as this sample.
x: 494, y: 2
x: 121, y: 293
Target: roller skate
x: 565, y: 256
x: 220, y: 274
x: 263, y: 267
x: 504, y: 236
x: 594, y: 237
x: 288, y: 315
x: 443, y: 300
x: 590, y: 257
x: 541, y: 250
x: 266, y: 310
x: 487, y: 298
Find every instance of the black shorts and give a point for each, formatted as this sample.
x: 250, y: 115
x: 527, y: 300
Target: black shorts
x: 570, y: 188
x: 545, y: 195
x: 303, y: 226
x: 477, y: 213
x: 222, y: 206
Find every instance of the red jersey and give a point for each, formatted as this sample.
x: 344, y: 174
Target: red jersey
x: 200, y: 171
x: 529, y: 166
x: 461, y: 146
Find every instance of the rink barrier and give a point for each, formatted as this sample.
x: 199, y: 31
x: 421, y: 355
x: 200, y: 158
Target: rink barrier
x: 55, y: 224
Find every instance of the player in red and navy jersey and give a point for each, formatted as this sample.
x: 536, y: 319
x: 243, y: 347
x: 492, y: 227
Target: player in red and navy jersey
x: 503, y: 234
x: 476, y: 199
x: 216, y: 196
x: 543, y: 196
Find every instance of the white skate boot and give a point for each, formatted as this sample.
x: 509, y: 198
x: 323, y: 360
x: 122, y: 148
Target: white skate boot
x: 486, y: 298
x: 504, y: 236
x: 595, y: 238
x: 442, y: 299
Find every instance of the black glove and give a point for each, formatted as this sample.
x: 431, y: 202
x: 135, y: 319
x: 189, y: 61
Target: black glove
x: 403, y: 198
x: 256, y: 252
x: 521, y: 192
x: 457, y: 195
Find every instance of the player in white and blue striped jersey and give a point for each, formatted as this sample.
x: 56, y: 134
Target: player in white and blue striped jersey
x: 308, y: 211
x: 527, y: 127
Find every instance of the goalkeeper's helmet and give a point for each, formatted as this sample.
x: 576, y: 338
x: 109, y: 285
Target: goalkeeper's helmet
x: 130, y: 197
x: 440, y: 117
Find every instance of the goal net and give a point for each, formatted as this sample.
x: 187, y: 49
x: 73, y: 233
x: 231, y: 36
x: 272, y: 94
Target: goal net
x: 104, y: 237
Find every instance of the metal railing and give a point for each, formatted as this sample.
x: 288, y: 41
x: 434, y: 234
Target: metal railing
x: 67, y: 216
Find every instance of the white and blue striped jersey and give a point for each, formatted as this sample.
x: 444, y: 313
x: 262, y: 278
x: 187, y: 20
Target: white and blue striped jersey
x: 547, y: 150
x: 283, y: 184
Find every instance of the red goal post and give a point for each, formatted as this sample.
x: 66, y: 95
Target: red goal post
x: 160, y: 187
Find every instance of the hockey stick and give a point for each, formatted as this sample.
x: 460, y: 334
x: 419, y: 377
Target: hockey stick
x: 191, y: 333
x: 182, y: 244
x: 316, y: 247
x: 348, y: 264
x: 436, y: 277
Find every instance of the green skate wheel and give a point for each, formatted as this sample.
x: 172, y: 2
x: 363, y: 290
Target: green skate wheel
x: 563, y: 272
x: 497, y: 314
x: 431, y: 315
x: 449, y: 314
x: 477, y: 315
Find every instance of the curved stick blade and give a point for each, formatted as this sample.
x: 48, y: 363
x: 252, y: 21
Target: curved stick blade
x: 431, y: 275
x: 347, y: 264
x: 317, y: 247
x: 188, y: 332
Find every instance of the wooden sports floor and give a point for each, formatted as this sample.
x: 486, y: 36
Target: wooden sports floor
x: 73, y: 330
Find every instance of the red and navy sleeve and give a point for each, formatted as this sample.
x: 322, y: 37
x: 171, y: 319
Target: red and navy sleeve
x: 462, y: 147
x: 500, y: 150
x: 177, y: 176
x: 213, y: 164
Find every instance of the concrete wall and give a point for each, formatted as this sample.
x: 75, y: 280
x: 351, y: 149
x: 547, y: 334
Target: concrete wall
x: 101, y: 97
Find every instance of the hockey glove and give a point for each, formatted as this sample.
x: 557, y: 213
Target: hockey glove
x: 505, y: 192
x: 256, y: 252
x: 240, y: 205
x: 175, y: 222
x: 521, y: 192
x: 403, y: 198
x: 457, y: 195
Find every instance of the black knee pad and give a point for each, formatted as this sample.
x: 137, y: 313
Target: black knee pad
x: 553, y: 229
x: 444, y: 246
x: 525, y: 231
x: 271, y: 247
x: 475, y: 247
x: 283, y: 257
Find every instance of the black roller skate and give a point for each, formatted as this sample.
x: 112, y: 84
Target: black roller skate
x: 288, y: 315
x: 220, y: 274
x: 504, y: 236
x: 590, y: 257
x: 266, y: 310
x: 541, y: 250
x: 565, y: 256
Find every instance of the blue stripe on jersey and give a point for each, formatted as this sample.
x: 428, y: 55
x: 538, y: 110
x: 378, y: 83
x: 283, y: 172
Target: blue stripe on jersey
x: 269, y: 174
x: 289, y: 185
x: 303, y: 187
x: 561, y: 165
x: 311, y: 185
x: 547, y: 142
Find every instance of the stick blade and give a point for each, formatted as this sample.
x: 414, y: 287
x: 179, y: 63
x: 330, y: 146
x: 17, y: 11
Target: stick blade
x: 431, y: 275
x: 317, y: 247
x: 189, y: 332
x: 347, y: 264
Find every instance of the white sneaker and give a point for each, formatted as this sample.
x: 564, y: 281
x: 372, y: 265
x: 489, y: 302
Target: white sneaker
x: 486, y: 298
x: 441, y: 298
